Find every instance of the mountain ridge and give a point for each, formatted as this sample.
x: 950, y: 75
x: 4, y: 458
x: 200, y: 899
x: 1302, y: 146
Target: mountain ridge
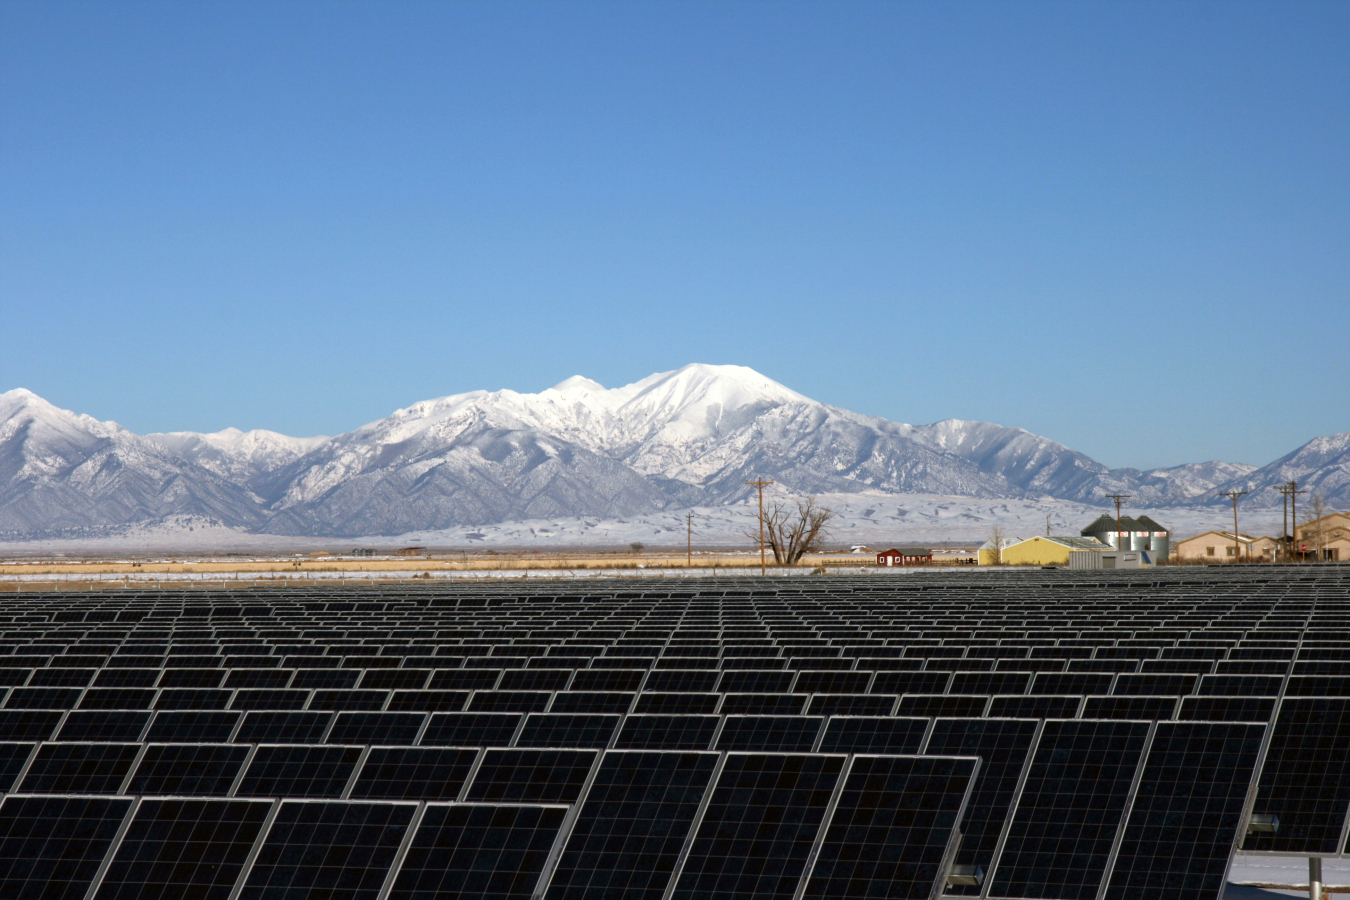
x: 689, y: 437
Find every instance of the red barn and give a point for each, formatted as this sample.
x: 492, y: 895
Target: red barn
x: 905, y: 556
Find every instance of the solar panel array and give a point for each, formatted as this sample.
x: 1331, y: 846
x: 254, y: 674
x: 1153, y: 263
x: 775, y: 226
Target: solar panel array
x: 1020, y: 735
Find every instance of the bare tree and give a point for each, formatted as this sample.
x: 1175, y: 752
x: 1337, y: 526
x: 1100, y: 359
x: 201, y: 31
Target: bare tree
x: 637, y: 546
x: 996, y: 541
x: 791, y: 534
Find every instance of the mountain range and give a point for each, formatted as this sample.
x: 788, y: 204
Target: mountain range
x: 691, y: 437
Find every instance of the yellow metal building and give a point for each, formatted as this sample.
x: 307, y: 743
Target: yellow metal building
x: 1047, y: 551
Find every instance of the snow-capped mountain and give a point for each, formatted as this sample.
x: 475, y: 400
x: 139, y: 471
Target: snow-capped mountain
x: 1322, y: 466
x: 691, y: 437
x: 60, y: 471
x: 244, y: 457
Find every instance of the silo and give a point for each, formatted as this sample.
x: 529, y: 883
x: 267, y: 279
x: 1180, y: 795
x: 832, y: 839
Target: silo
x: 1103, y: 528
x: 1159, y: 540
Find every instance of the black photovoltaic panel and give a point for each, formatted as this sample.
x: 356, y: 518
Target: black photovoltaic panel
x: 192, y: 727
x: 12, y: 760
x: 464, y: 679
x: 984, y: 683
x: 42, y: 698
x: 1081, y: 683
x: 315, y: 679
x: 79, y: 768
x: 769, y: 734
x: 910, y: 682
x: 283, y: 727
x: 1116, y: 707
x: 375, y: 728
x: 1306, y: 777
x: 1003, y: 745
x: 1318, y: 686
x: 818, y: 682
x: 395, y: 679
x: 941, y: 705
x: 667, y: 732
x: 531, y: 776
x: 682, y: 681
x: 1069, y: 810
x: 265, y: 698
x: 591, y: 702
x: 478, y: 852
x: 183, y: 848
x: 414, y: 773
x: 104, y: 725
x: 568, y: 730
x: 889, y: 834
x: 762, y: 704
x: 296, y: 771
x: 1034, y: 706
x: 1227, y: 709
x: 117, y: 698
x: 1154, y: 685
x: 1240, y: 685
x: 28, y: 724
x: 194, y: 698
x: 1251, y: 667
x: 339, y: 851
x: 852, y: 705
x: 471, y: 729
x: 509, y: 701
x: 759, y: 826
x: 687, y: 704
x: 427, y: 701
x: 1187, y: 812
x: 631, y: 826
x: 873, y: 734
x: 187, y: 770
x: 615, y: 680
x: 345, y: 700
x: 51, y: 847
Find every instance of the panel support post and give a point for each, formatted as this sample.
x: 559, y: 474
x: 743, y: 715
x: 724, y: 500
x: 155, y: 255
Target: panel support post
x: 1314, y: 878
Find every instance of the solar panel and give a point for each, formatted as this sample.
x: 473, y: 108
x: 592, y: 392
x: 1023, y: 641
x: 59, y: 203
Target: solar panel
x: 826, y: 682
x: 591, y: 702
x: 1080, y: 683
x: 1227, y: 709
x: 79, y: 768
x: 187, y: 770
x: 509, y: 701
x: 315, y: 679
x: 941, y: 705
x: 873, y: 734
x: 464, y: 679
x: 183, y: 848
x: 43, y: 698
x: 471, y: 729
x: 193, y: 698
x: 617, y: 680
x: 769, y: 734
x: 759, y: 826
x: 28, y: 724
x: 414, y: 773
x: 910, y: 682
x: 667, y: 732
x: 117, y: 698
x: 682, y: 680
x: 427, y: 701
x: 1187, y: 811
x: 296, y: 771
x: 1003, y: 745
x: 892, y: 828
x: 478, y: 852
x: 1157, y: 685
x: 376, y: 728
x: 346, y: 700
x: 631, y: 826
x: 852, y: 705
x: 762, y: 704
x: 1038, y: 706
x: 1240, y: 685
x: 1069, y: 810
x: 689, y: 704
x: 568, y: 730
x: 983, y: 683
x: 191, y: 727
x: 531, y: 776
x: 273, y: 727
x: 1306, y: 777
x: 1116, y: 707
x: 51, y: 847
x: 395, y: 679
x: 1318, y: 686
x: 104, y: 725
x: 339, y: 851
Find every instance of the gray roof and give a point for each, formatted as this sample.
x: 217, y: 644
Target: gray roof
x: 1100, y: 525
x: 1074, y: 542
x: 1149, y: 524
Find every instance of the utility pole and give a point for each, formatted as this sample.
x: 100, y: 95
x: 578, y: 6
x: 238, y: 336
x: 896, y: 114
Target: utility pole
x: 689, y: 538
x: 761, y: 484
x: 1120, y: 534
x: 1293, y: 514
x: 1047, y: 524
x: 1237, y: 543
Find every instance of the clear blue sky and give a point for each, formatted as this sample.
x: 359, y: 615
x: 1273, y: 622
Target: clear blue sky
x: 1125, y: 226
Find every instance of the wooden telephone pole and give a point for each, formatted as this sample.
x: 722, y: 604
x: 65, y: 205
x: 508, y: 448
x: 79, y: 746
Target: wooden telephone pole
x: 1237, y: 542
x: 761, y: 484
x: 689, y: 539
x: 1120, y: 534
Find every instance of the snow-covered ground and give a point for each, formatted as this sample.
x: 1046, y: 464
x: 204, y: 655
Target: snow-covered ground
x: 861, y: 518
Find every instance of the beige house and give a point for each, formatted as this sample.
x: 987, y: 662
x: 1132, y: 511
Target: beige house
x: 1326, y: 539
x: 1218, y: 546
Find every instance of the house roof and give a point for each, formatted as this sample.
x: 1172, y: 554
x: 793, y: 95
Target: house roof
x: 1100, y: 524
x: 1074, y: 542
x: 907, y: 551
x: 1225, y: 535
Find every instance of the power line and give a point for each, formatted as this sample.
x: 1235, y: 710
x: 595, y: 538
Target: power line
x: 761, y: 484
